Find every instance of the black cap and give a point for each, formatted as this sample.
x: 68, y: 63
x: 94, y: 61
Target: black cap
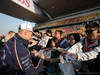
x: 92, y: 25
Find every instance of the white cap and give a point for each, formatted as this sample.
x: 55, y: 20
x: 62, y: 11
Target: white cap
x: 26, y: 26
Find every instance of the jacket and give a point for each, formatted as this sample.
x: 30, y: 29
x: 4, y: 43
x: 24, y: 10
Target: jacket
x: 18, y: 56
x: 84, y: 56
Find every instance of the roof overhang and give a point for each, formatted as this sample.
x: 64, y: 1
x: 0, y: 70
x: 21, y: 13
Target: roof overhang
x: 45, y: 10
x: 24, y: 10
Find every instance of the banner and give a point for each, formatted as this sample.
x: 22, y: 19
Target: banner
x: 29, y: 5
x: 65, y: 21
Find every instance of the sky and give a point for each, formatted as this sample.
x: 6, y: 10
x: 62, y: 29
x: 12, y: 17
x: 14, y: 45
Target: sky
x: 8, y: 23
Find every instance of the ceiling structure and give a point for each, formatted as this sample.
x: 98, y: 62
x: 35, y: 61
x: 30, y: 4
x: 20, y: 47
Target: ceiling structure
x: 57, y: 8
x: 19, y: 9
x: 51, y: 9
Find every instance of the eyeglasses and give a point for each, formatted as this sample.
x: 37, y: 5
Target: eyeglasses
x: 89, y: 31
x: 70, y: 39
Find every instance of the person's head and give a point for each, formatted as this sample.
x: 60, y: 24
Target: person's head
x: 36, y: 32
x: 52, y: 43
x: 73, y: 38
x: 49, y: 33
x: 25, y: 31
x: 92, y: 30
x: 9, y: 35
x: 58, y: 34
x: 40, y: 34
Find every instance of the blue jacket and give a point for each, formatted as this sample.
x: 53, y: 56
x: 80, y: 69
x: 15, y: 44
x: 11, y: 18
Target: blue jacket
x: 19, y: 57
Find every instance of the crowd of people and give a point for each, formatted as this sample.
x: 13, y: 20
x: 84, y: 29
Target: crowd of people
x: 31, y: 52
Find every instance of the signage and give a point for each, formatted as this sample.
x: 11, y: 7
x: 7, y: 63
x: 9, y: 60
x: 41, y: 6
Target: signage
x: 29, y: 5
x: 43, y: 42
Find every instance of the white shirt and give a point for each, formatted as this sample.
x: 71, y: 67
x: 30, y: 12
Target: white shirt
x: 84, y: 56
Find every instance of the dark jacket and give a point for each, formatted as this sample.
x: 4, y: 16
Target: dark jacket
x: 18, y: 56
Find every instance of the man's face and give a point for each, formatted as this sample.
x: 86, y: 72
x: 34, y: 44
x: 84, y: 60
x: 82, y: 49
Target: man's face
x: 71, y: 40
x: 57, y: 35
x: 28, y: 35
x: 91, y: 33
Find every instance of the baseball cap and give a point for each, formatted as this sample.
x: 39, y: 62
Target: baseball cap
x: 26, y: 26
x: 92, y: 25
